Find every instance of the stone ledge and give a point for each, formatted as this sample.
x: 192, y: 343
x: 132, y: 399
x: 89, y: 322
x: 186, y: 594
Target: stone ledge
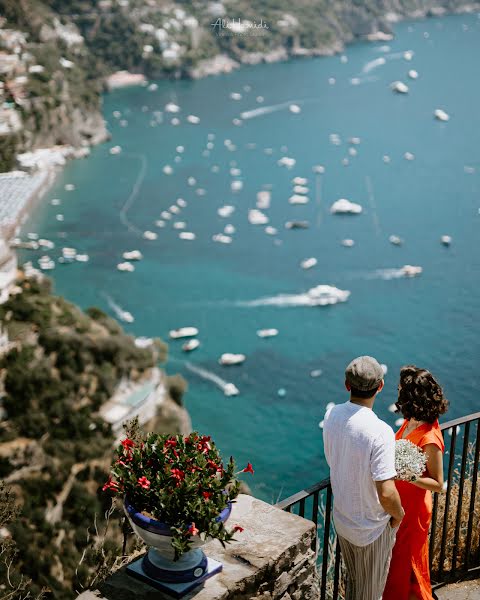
x: 271, y: 560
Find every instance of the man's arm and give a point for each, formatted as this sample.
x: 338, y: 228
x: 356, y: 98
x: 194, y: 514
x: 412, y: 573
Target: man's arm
x: 389, y: 498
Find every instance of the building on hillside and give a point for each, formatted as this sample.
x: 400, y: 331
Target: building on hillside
x: 8, y: 275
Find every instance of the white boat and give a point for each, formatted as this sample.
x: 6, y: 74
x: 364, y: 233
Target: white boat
x: 316, y: 373
x: 323, y: 295
x: 263, y: 199
x: 179, y: 225
x: 256, y: 217
x: 318, y: 169
x: 32, y: 236
x: 55, y: 201
x: 235, y: 96
x: 69, y: 187
x: 399, y: 87
x: 115, y: 150
x: 167, y: 169
x: 125, y: 316
x: 295, y: 109
x: 222, y: 238
x: 46, y: 244
x: 226, y: 211
x: 174, y: 209
x: 171, y: 107
x: 191, y: 181
x: 46, y: 263
x: 153, y: 87
x: 234, y: 172
x: 183, y: 332
x: 236, y: 185
x: 83, y: 258
x: 411, y: 271
x: 413, y: 74
x: 348, y: 243
x: 441, y: 115
x: 191, y: 345
x: 286, y: 161
x: 408, y: 55
x: 299, y: 181
x: 229, y: 359
x: 229, y: 229
x: 230, y: 390
x: 60, y: 217
x: 126, y: 266
x: 308, y: 263
x: 300, y: 189
x: 165, y: 215
x: 132, y: 255
x: 269, y: 230
x: 69, y: 254
x: 186, y: 235
x: 446, y: 240
x: 395, y: 240
x: 181, y: 202
x: 193, y: 119
x: 267, y: 333
x: 298, y: 199
x: 344, y: 206
x: 409, y: 156
x: 159, y: 223
x: 150, y: 235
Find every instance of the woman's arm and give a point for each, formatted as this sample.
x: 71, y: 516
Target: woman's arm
x: 434, y: 479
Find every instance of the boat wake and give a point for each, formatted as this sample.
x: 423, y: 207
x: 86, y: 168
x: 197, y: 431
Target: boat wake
x: 120, y: 313
x: 380, y: 61
x: 322, y: 295
x: 385, y: 274
x: 208, y: 376
x: 134, y: 193
x: 266, y: 110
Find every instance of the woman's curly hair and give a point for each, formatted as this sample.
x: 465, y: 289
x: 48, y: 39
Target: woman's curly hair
x: 419, y: 396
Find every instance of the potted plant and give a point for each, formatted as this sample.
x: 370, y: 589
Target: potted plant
x: 176, y: 493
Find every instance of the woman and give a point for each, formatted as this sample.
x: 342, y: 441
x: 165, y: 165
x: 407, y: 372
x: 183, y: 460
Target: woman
x: 421, y: 401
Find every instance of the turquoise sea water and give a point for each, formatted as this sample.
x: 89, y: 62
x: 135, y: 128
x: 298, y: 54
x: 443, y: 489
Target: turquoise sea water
x: 431, y: 320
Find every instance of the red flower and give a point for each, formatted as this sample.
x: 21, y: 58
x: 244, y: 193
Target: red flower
x: 204, y: 444
x: 170, y: 443
x: 144, y: 483
x: 248, y: 469
x: 128, y: 444
x: 110, y: 485
x: 192, y: 530
x: 213, y: 465
x: 207, y: 495
x: 178, y: 474
x: 237, y: 528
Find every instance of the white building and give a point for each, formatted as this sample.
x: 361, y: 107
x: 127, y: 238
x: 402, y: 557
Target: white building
x: 8, y: 270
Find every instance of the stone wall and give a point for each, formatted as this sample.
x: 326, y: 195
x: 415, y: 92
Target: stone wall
x: 272, y: 560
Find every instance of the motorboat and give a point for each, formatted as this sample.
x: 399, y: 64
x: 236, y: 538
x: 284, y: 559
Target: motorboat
x: 46, y: 263
x: 298, y: 199
x: 183, y: 332
x: 399, y: 87
x: 413, y: 74
x: 323, y: 295
x: 83, y: 258
x: 226, y: 211
x: 46, y: 244
x: 297, y: 225
x: 295, y: 109
x: 150, y: 235
x: 69, y: 254
x: 300, y: 189
x: 60, y: 217
x: 446, y: 240
x: 191, y: 345
x: 230, y: 389
x: 408, y: 55
x: 236, y: 185
x: 229, y: 359
x: 441, y: 115
x: 171, y: 107
x: 256, y: 217
x: 115, y: 150
x: 348, y: 243
x: 263, y: 199
x: 269, y: 230
x: 308, y: 263
x: 132, y: 255
x: 167, y: 169
x: 344, y: 206
x: 125, y: 316
x: 316, y: 373
x: 69, y: 187
x: 395, y: 240
x: 229, y: 229
x: 409, y: 156
x: 186, y: 235
x: 193, y: 119
x: 411, y: 271
x: 126, y: 267
x: 267, y: 333
x: 179, y: 225
x: 299, y: 181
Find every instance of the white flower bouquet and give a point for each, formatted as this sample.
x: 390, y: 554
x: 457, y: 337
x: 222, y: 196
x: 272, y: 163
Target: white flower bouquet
x: 410, y: 460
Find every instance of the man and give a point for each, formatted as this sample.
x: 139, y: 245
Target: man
x: 360, y: 450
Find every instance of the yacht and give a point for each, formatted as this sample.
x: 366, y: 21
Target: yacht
x: 411, y: 271
x: 69, y: 187
x: 179, y: 225
x: 316, y: 373
x: 171, y: 107
x: 446, y: 240
x: 297, y: 225
x: 83, y: 258
x: 228, y: 359
x: 115, y: 150
x: 322, y: 295
x: 348, y: 243
x: 299, y: 181
x: 256, y: 217
x: 308, y: 263
x: 409, y: 156
x: 186, y: 235
x: 125, y: 316
x: 46, y: 244
x: 413, y: 74
x: 266, y: 333
x: 295, y: 109
x: 399, y: 87
x: 132, y: 255
x: 193, y: 119
x: 46, y: 263
x: 344, y: 206
x: 230, y: 390
x: 222, y: 238
x: 225, y: 211
x: 263, y: 199
x: 150, y: 235
x: 395, y: 240
x: 269, y: 230
x: 298, y: 199
x: 191, y: 345
x: 126, y: 266
x: 236, y: 185
x: 300, y: 189
x: 183, y: 332
x: 441, y: 115
x: 69, y: 254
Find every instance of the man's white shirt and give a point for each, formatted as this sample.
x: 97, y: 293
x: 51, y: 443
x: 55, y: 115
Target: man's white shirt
x: 360, y: 450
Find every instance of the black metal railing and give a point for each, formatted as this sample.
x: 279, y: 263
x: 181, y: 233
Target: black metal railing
x: 455, y: 529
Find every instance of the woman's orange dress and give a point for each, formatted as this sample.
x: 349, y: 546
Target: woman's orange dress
x: 409, y: 571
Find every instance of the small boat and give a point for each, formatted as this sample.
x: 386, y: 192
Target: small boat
x: 299, y: 181
x: 409, y: 156
x: 286, y: 161
x: 55, y: 201
x: 179, y: 225
x: 318, y: 169
x: 165, y: 215
x: 167, y: 169
x: 153, y: 87
x: 295, y: 109
x: 115, y: 150
x: 263, y: 199
x: 441, y: 115
x: 256, y: 217
x: 399, y: 87
x: 191, y: 345
x: 395, y: 240
x: 174, y: 209
x: 348, y: 243
x: 236, y: 185
x: 411, y: 271
x: 298, y: 199
x: 32, y: 236
x: 354, y: 140
x: 69, y: 187
x: 267, y: 333
x: 308, y: 263
x: 235, y: 96
x: 150, y: 235
x: 193, y: 119
x: 183, y: 332
x: 125, y: 316
x: 229, y: 229
x: 297, y: 225
x: 344, y: 207
x: 225, y: 211
x: 323, y: 295
x: 269, y: 230
x: 316, y: 373
x: 126, y: 266
x: 83, y: 258
x: 69, y: 254
x: 46, y: 263
x: 300, y: 189
x: 60, y: 217
x: 46, y: 244
x: 446, y: 240
x: 222, y: 238
x: 408, y: 55
x: 171, y: 107
x: 186, y: 235
x: 229, y: 359
x: 132, y: 255
x: 230, y: 390
x: 413, y: 74
x: 181, y: 202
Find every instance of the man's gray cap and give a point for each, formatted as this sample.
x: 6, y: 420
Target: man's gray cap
x: 364, y: 373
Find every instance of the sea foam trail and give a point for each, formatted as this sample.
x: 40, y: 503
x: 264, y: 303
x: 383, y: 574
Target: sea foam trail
x: 208, y: 375
x: 378, y: 62
x: 117, y: 309
x: 385, y: 274
x: 266, y: 110
x: 134, y: 193
x: 280, y: 300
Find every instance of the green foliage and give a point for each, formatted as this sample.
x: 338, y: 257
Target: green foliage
x: 177, y: 480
